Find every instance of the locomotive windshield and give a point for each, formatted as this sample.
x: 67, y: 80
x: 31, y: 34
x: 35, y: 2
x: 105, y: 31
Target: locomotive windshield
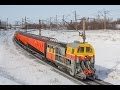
x: 85, y: 49
x: 80, y: 49
x: 88, y: 49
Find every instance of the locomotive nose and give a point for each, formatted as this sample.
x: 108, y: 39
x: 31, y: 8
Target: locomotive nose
x: 87, y: 72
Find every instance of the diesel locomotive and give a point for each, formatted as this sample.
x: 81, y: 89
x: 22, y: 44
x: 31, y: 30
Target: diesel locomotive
x: 77, y: 58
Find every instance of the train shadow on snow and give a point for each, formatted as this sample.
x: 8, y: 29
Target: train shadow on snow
x: 103, y: 72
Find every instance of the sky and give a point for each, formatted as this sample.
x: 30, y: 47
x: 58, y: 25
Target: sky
x: 35, y: 12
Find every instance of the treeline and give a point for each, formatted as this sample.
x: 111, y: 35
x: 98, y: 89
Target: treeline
x: 93, y: 24
x: 96, y: 24
x: 4, y: 25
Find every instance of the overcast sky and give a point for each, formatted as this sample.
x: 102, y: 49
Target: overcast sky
x: 35, y: 12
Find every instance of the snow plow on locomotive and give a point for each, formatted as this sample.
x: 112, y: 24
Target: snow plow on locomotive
x: 77, y: 58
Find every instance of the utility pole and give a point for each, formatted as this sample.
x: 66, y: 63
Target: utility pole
x: 56, y: 23
x: 25, y: 24
x: 7, y: 24
x: 75, y: 21
x: 39, y: 27
x: 22, y: 24
x: 50, y: 23
x: 63, y: 22
x: 84, y: 36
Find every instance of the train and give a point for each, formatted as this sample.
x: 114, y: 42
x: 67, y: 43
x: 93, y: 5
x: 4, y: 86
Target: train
x: 77, y: 58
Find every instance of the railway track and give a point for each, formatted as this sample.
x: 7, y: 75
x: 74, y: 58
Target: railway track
x: 88, y: 81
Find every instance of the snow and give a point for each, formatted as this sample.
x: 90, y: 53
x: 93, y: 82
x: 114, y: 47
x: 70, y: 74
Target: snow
x: 17, y: 67
x: 5, y: 81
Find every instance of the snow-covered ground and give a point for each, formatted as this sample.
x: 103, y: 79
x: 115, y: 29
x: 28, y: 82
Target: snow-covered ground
x: 107, y: 50
x: 18, y: 68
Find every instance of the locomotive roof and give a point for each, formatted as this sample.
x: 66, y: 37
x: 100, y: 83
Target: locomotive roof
x: 57, y: 43
x: 73, y: 45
